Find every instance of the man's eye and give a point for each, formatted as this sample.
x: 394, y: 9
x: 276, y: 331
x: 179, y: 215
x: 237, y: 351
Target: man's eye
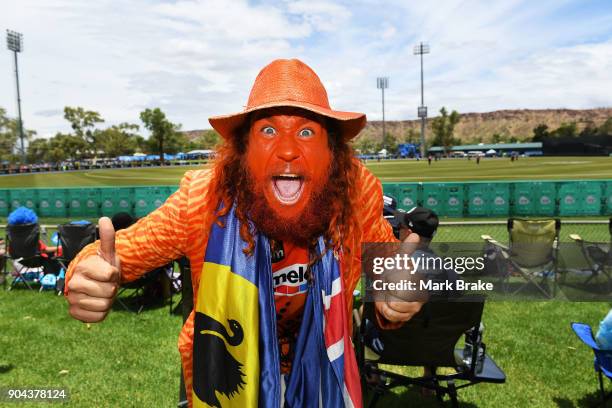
x: 268, y: 130
x: 306, y: 133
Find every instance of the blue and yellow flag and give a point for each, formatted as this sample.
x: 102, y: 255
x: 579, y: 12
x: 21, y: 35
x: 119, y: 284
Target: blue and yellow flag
x: 235, y: 346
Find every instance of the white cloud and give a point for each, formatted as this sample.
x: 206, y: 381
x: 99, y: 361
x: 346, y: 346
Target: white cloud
x: 320, y: 14
x: 198, y: 58
x: 233, y: 20
x: 388, y: 31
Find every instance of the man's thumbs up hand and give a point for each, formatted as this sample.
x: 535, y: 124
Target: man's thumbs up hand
x: 398, y: 308
x: 96, y: 279
x: 107, y: 240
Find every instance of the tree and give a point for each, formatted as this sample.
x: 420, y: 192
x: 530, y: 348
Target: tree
x: 119, y: 139
x: 38, y: 150
x: 540, y: 133
x: 565, y: 131
x: 164, y: 134
x: 65, y: 146
x: 141, y: 144
x: 496, y: 138
x: 177, y: 142
x: 365, y: 145
x: 9, y: 137
x: 606, y: 128
x: 209, y: 139
x: 412, y: 136
x: 590, y: 130
x: 389, y: 143
x: 443, y: 127
x: 83, y: 123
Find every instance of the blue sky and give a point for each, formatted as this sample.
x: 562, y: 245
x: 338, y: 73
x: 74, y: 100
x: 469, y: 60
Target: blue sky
x: 198, y: 58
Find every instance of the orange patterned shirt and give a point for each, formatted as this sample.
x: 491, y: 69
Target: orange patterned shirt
x: 180, y: 228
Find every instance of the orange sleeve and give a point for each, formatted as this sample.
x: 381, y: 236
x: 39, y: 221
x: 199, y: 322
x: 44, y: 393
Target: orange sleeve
x: 153, y: 241
x: 375, y: 227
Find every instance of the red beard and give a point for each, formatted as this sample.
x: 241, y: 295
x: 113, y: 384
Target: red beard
x: 300, y: 229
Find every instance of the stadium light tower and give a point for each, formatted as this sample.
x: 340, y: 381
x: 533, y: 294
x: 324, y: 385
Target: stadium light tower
x: 14, y: 42
x: 422, y: 110
x: 382, y: 83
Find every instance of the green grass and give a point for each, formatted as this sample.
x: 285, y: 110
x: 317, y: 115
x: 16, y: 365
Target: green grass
x: 540, y: 168
x: 98, y: 178
x: 129, y: 360
x: 545, y: 363
x: 132, y: 360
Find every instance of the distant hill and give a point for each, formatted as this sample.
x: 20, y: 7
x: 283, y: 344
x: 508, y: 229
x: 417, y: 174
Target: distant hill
x: 480, y: 127
x: 192, y: 135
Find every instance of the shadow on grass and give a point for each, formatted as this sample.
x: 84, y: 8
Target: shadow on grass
x: 410, y: 396
x: 5, y: 368
x: 592, y: 399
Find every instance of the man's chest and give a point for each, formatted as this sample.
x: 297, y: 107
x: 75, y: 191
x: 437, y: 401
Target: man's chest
x: 289, y: 269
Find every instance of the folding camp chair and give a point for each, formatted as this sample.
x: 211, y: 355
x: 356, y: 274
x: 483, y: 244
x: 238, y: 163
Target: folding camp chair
x: 137, y: 297
x: 176, y: 284
x: 599, y: 257
x: 429, y: 339
x: 22, y: 244
x: 603, y: 358
x: 72, y: 238
x: 531, y: 253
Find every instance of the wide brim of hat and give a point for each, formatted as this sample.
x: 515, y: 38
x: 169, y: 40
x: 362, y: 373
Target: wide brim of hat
x: 350, y: 123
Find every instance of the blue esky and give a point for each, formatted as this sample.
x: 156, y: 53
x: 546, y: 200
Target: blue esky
x: 198, y: 58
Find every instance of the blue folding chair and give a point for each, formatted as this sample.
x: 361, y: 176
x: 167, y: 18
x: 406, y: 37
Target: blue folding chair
x: 603, y: 358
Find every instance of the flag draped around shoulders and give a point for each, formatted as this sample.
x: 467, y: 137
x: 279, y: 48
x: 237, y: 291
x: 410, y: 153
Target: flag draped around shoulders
x: 235, y: 348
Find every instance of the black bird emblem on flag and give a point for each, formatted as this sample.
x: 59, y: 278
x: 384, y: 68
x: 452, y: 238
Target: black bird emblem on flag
x: 214, y: 368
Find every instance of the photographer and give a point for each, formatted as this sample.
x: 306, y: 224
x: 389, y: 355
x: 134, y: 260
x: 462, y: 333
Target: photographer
x: 423, y: 222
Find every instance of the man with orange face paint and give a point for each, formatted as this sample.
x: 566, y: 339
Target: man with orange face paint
x: 273, y: 233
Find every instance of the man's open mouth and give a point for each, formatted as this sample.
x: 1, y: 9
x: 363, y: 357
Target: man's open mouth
x: 288, y: 188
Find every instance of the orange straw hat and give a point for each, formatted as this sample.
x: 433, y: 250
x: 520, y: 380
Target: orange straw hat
x: 289, y: 83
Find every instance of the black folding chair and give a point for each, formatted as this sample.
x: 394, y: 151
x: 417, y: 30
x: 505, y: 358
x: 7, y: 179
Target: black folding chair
x: 73, y: 238
x: 137, y: 298
x: 429, y: 340
x: 22, y: 244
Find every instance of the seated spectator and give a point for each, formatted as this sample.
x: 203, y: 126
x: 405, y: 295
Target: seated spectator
x: 23, y: 215
x: 424, y: 222
x: 160, y: 287
x: 604, y: 334
x: 122, y: 220
x: 420, y: 220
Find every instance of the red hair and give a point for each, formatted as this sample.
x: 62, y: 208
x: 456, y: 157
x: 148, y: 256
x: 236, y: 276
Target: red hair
x: 231, y: 185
